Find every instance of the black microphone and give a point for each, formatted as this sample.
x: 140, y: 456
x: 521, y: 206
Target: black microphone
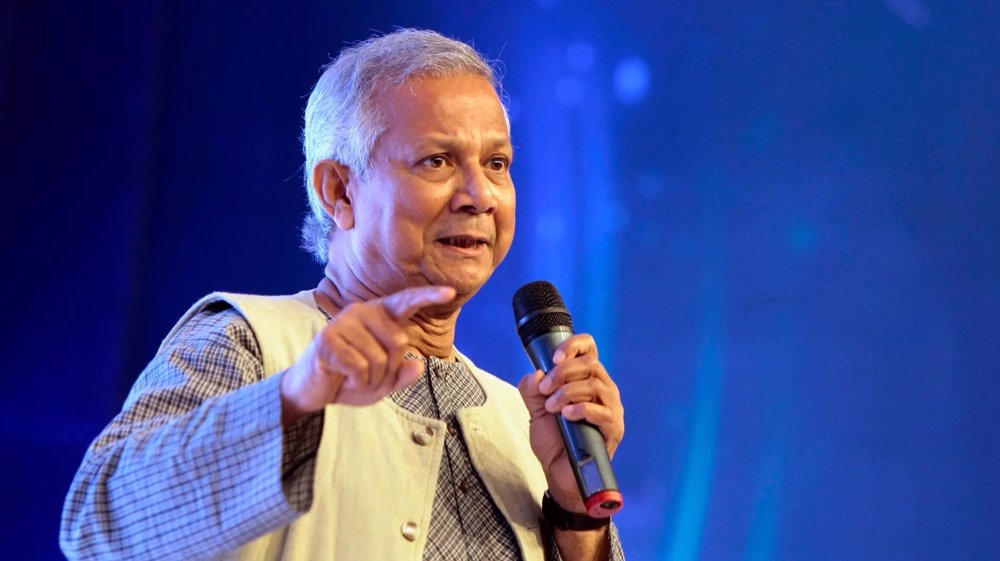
x: 543, y: 323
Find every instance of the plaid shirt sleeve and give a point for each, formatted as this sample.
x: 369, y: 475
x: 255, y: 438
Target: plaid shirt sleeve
x: 197, y: 462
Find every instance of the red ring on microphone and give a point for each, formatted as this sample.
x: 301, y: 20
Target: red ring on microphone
x: 604, y: 503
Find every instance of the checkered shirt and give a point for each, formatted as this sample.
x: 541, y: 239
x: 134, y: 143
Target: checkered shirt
x: 465, y: 522
x: 201, y: 412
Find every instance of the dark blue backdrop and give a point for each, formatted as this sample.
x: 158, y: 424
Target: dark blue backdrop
x: 775, y: 217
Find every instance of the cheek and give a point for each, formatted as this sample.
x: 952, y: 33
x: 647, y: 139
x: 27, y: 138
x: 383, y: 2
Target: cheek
x: 505, y: 220
x: 508, y: 206
x: 407, y: 223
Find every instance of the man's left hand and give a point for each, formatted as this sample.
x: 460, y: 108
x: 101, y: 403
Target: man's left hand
x: 579, y: 388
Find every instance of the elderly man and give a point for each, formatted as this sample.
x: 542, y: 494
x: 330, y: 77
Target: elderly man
x: 341, y: 422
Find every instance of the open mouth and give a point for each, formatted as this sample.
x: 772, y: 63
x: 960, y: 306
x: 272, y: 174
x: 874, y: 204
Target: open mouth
x: 463, y: 242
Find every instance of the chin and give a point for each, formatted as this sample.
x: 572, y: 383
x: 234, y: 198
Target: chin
x: 468, y: 288
x: 465, y: 284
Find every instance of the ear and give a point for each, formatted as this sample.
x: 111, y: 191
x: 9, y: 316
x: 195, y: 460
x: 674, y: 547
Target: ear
x: 330, y: 182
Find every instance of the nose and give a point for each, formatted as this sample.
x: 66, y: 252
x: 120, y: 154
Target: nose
x: 476, y: 194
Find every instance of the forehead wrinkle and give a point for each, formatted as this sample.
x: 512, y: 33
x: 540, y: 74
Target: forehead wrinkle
x: 435, y: 119
x: 457, y: 141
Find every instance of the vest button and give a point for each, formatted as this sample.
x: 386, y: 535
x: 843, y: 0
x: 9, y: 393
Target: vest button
x: 423, y: 436
x: 451, y: 429
x: 410, y: 531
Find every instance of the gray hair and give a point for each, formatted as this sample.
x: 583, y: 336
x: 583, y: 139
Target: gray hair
x: 342, y: 120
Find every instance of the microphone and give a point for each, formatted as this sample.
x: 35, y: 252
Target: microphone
x: 543, y: 323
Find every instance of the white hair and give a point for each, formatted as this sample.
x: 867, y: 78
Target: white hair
x: 342, y: 120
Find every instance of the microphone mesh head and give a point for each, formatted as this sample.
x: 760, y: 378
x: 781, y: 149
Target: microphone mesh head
x: 543, y: 297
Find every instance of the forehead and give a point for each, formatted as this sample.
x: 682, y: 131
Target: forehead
x: 461, y: 106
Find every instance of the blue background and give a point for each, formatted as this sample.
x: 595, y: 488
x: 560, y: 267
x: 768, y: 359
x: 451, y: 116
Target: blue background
x: 779, y: 219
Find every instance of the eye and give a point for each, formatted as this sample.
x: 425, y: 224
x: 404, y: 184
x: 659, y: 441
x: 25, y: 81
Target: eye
x: 436, y: 161
x: 498, y: 163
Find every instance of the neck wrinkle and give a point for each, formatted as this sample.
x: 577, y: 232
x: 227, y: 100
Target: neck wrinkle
x: 434, y: 336
x: 342, y: 292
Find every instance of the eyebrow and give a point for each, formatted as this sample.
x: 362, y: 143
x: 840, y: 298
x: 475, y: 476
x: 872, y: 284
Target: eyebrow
x: 494, y: 142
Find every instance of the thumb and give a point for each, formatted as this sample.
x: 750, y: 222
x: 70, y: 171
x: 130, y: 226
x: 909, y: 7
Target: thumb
x: 409, y: 372
x: 534, y: 399
x: 406, y: 302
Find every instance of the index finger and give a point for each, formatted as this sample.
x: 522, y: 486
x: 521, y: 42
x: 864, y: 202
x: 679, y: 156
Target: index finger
x: 577, y: 345
x: 409, y: 301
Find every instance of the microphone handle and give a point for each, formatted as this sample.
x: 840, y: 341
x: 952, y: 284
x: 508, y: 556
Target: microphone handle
x: 585, y: 446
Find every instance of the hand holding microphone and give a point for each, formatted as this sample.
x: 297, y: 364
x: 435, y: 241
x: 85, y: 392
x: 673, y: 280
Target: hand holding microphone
x: 577, y: 418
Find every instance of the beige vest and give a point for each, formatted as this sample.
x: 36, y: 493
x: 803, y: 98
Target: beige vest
x: 377, y: 466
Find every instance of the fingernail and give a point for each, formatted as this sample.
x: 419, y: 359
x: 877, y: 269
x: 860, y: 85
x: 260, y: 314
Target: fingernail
x: 558, y: 356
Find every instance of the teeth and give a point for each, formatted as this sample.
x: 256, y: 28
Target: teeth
x: 462, y: 242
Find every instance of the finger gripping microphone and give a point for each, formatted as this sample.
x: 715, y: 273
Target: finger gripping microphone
x: 543, y: 323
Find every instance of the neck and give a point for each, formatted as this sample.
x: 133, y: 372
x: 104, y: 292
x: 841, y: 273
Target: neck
x: 431, y: 331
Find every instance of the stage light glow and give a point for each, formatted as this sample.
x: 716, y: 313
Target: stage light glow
x: 631, y: 80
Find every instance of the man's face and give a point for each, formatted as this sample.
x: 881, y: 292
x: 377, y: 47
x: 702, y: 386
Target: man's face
x: 437, y: 205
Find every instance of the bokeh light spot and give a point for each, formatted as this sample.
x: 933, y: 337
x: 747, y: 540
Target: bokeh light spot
x: 631, y: 80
